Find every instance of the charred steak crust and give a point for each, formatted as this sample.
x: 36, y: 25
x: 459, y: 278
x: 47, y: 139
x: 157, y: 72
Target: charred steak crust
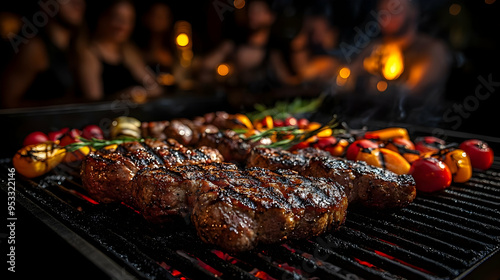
x: 230, y: 145
x: 363, y: 184
x: 238, y: 209
x: 231, y: 208
x: 106, y: 175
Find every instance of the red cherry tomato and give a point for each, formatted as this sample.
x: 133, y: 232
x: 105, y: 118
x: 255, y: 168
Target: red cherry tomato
x: 92, y: 131
x: 56, y: 135
x: 325, y: 142
x: 481, y: 155
x: 70, y: 137
x: 430, y: 174
x: 36, y: 137
x: 301, y: 145
x: 428, y: 144
x: 356, y: 146
x: 302, y: 123
x: 278, y: 123
x: 291, y: 121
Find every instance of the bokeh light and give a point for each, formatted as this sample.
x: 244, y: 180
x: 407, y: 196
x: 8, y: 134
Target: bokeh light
x: 223, y: 70
x: 182, y: 40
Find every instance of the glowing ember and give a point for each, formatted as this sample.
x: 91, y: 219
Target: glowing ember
x: 261, y: 274
x: 199, y: 262
x: 364, y: 263
x: 225, y: 256
x: 123, y: 203
x: 402, y: 262
x: 288, y: 248
x: 172, y: 271
x: 290, y: 268
x: 84, y: 197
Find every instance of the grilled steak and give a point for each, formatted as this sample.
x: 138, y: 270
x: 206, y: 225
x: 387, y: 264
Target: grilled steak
x: 228, y: 143
x: 238, y: 209
x: 205, y: 132
x: 368, y: 185
x: 106, y: 174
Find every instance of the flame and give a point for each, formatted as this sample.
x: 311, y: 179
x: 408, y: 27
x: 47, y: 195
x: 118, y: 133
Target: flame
x: 386, y: 60
x: 392, y: 62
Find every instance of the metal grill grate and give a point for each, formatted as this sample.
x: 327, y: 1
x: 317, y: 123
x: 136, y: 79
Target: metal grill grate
x: 439, y: 236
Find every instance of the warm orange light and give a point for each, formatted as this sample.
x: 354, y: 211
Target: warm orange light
x: 381, y: 86
x: 489, y: 2
x: 239, y: 4
x: 223, y: 70
x: 455, y: 9
x: 139, y: 95
x: 341, y: 81
x: 166, y: 79
x: 187, y: 54
x: 392, y: 62
x: 182, y: 40
x: 344, y: 72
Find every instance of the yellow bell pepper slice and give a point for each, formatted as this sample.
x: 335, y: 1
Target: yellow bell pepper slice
x: 35, y: 160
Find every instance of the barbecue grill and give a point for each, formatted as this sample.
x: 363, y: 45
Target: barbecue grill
x: 439, y: 236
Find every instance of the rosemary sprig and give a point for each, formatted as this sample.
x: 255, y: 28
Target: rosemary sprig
x: 298, y: 134
x: 98, y: 143
x: 283, y: 109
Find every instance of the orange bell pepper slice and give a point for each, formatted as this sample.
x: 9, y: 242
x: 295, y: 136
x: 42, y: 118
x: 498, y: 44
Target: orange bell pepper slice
x: 387, y: 133
x: 381, y: 157
x: 244, y: 120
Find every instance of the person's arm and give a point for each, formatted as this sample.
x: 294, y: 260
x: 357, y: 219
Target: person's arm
x: 218, y: 56
x: 142, y: 73
x: 431, y: 70
x: 282, y: 71
x: 299, y: 54
x: 89, y: 75
x: 21, y: 72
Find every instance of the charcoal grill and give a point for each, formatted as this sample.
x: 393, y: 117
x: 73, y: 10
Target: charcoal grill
x: 439, y: 236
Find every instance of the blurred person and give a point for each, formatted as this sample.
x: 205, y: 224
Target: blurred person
x: 415, y: 93
x: 311, y: 49
x: 249, y: 54
x: 110, y: 65
x: 155, y: 38
x: 41, y: 73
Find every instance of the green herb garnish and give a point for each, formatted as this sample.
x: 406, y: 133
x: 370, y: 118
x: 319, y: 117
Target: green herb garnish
x: 283, y: 133
x: 98, y: 143
x: 284, y: 109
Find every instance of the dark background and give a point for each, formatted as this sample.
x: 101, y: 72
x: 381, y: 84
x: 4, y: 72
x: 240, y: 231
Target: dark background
x: 472, y: 37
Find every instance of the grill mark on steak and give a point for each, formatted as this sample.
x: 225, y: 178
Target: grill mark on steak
x: 231, y: 208
x: 364, y: 184
x: 239, y: 209
x: 107, y: 175
x: 150, y: 146
x: 138, y: 154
